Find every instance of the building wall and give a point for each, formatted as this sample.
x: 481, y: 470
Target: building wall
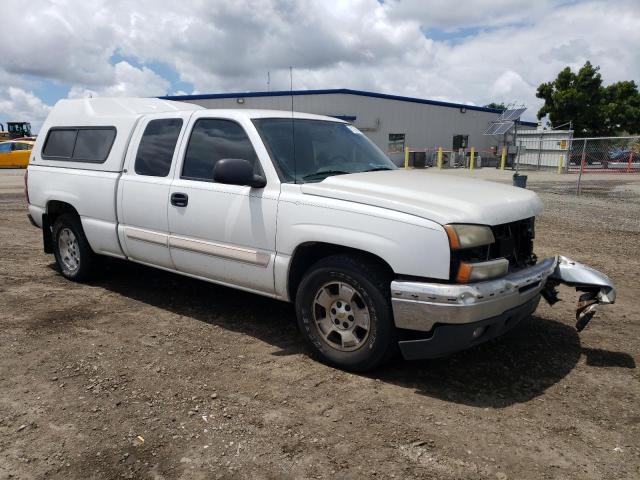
x: 424, y: 125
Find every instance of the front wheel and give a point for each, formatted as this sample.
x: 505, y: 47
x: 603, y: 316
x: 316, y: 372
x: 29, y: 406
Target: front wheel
x: 73, y: 253
x: 343, y: 309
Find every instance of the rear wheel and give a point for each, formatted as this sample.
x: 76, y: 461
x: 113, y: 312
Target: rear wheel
x: 344, y: 311
x: 73, y: 253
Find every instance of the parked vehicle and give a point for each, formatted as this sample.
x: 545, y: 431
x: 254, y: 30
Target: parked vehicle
x: 298, y: 207
x: 15, y: 153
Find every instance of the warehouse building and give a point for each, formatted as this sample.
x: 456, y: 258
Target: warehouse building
x: 392, y: 122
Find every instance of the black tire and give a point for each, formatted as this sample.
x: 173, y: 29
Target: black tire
x: 372, y: 286
x: 86, y: 258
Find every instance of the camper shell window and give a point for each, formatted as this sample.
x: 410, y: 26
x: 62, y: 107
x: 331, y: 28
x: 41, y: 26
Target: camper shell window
x: 79, y: 144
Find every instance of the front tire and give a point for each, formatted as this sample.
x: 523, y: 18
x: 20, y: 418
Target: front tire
x: 344, y: 311
x: 73, y: 253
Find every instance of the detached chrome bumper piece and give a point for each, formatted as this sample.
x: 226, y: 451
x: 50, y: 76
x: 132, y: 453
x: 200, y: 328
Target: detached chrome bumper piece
x: 598, y: 288
x: 455, y: 317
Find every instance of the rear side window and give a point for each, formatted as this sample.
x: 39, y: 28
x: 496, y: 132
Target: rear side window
x: 81, y: 144
x: 158, y: 142
x: 212, y: 140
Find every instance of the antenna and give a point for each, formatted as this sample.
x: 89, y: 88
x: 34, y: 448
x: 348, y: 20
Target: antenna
x: 293, y: 128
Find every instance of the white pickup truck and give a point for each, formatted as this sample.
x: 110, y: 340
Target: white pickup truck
x: 302, y: 208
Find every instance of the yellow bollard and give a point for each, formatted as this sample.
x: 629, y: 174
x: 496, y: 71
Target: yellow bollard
x: 560, y: 163
x: 406, y: 157
x: 440, y: 157
x: 503, y: 159
x: 472, y: 159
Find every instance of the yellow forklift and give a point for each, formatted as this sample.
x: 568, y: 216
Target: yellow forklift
x: 15, y: 130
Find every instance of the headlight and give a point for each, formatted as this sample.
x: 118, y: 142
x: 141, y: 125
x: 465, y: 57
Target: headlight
x: 477, y: 272
x: 467, y: 236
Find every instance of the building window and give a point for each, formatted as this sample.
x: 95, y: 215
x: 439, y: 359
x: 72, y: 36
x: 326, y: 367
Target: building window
x: 396, y: 142
x: 460, y: 142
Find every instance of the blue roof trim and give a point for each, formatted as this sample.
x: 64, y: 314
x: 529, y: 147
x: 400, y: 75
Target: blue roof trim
x: 345, y: 91
x: 529, y: 124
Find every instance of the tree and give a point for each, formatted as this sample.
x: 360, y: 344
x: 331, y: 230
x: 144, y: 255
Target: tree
x: 594, y: 109
x: 496, y: 106
x: 622, y: 107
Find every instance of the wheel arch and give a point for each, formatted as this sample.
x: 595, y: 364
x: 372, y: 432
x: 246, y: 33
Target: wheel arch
x: 308, y: 253
x: 53, y: 210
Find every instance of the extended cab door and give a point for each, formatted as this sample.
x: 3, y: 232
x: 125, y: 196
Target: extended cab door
x: 225, y: 233
x: 143, y: 190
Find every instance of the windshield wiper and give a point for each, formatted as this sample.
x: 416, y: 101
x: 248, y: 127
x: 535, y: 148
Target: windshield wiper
x: 325, y: 173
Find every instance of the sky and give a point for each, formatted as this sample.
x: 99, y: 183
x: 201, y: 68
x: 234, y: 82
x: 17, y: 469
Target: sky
x: 473, y: 51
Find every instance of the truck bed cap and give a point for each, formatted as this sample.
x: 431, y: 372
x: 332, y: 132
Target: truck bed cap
x: 77, y: 110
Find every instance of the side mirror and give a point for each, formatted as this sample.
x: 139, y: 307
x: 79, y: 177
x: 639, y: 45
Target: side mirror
x: 236, y: 171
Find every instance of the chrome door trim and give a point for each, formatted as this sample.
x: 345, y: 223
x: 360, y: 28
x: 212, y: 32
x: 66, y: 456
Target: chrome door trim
x: 229, y: 252
x: 148, y: 236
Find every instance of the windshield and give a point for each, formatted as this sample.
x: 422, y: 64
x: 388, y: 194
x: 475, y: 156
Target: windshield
x: 322, y: 148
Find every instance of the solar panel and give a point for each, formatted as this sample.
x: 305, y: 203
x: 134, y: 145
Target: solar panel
x: 502, y: 128
x: 498, y: 128
x: 491, y: 129
x: 512, y: 114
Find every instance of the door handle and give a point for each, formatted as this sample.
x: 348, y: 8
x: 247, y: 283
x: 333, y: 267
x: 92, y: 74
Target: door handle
x: 179, y: 199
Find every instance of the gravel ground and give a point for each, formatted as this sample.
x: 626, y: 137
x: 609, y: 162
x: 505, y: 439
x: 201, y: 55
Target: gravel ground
x: 146, y: 374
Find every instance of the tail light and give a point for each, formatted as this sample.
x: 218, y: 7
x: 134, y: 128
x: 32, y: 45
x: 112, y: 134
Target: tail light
x: 26, y: 184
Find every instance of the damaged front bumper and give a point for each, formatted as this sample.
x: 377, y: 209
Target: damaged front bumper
x: 597, y: 287
x: 455, y: 317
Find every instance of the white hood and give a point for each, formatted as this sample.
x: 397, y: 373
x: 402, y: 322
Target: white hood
x: 439, y: 197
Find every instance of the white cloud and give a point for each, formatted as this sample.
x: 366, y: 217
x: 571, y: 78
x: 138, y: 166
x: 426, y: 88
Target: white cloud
x: 447, y: 16
x: 505, y: 50
x: 20, y: 105
x: 127, y: 81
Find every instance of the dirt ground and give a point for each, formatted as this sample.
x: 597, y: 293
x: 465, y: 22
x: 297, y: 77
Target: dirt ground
x: 146, y: 374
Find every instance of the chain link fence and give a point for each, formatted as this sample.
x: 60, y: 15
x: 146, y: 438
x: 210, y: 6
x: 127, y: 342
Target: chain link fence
x: 604, y: 155
x: 564, y: 155
x: 539, y: 149
x: 542, y: 152
x: 580, y: 155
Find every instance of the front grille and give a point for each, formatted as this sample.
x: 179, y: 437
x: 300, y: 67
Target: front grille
x: 514, y: 241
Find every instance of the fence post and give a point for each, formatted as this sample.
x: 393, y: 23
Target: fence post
x: 439, y: 157
x: 630, y: 162
x: 503, y: 158
x: 540, y: 149
x: 583, y: 161
x: 473, y: 156
x: 406, y: 157
x: 560, y: 164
